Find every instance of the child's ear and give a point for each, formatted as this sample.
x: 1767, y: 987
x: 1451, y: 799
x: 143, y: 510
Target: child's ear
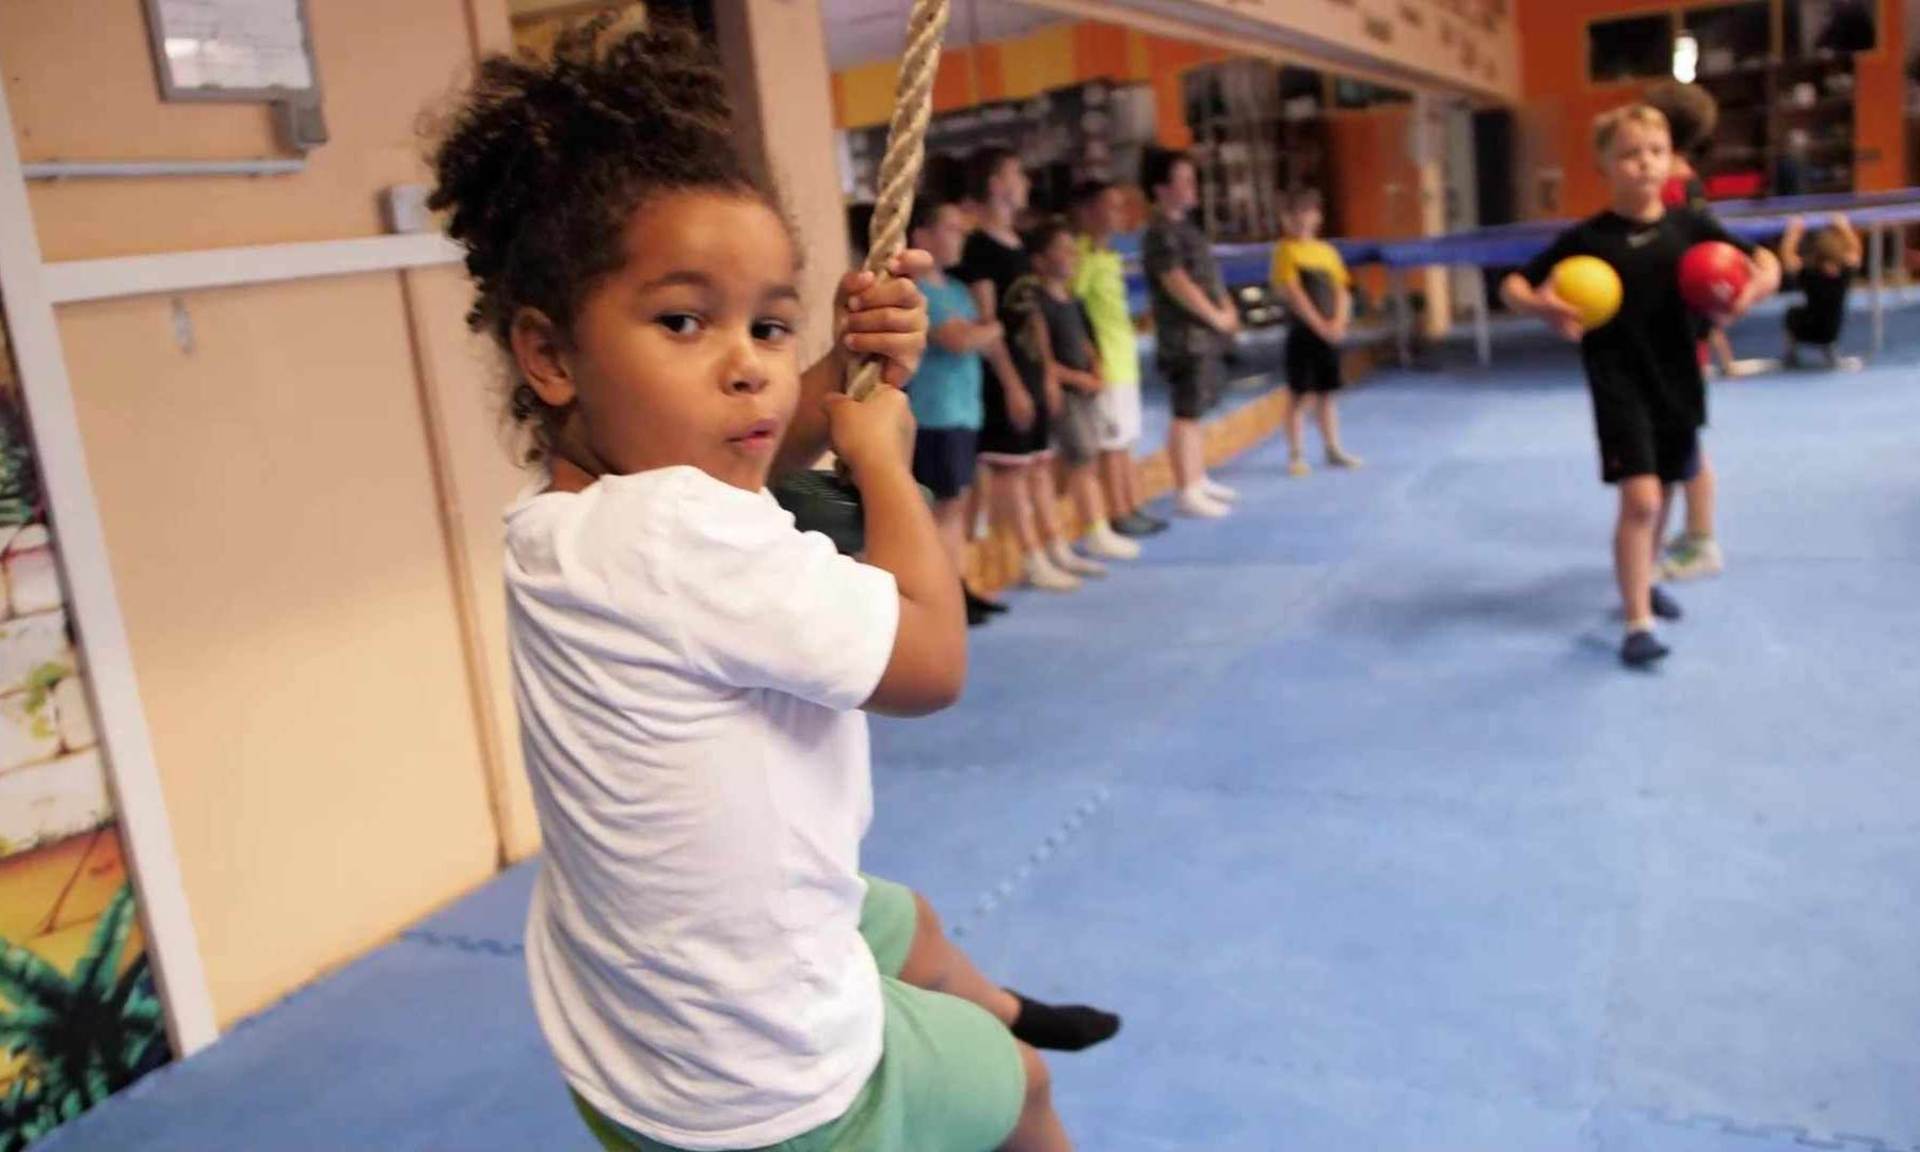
x: 540, y: 353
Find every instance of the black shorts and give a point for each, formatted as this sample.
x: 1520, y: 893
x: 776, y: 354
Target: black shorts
x: 943, y: 460
x: 1635, y: 442
x: 1000, y: 441
x: 1194, y: 383
x: 1807, y: 327
x: 1313, y: 365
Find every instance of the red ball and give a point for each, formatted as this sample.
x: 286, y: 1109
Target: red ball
x: 1713, y: 274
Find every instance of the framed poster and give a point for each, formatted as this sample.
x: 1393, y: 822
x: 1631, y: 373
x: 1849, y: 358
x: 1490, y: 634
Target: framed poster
x: 80, y: 1015
x: 243, y: 51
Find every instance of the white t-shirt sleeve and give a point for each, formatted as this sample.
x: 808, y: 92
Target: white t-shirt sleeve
x: 759, y: 604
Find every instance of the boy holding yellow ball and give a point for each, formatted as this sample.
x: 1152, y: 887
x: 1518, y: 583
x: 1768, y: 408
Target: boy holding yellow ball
x: 1649, y: 397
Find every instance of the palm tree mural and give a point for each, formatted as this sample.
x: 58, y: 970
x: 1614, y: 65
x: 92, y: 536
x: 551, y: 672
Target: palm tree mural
x: 83, y: 1036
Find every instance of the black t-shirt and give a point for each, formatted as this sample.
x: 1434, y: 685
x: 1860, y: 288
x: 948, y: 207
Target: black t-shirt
x: 1647, y: 352
x: 1171, y: 245
x: 985, y: 258
x: 1068, y: 333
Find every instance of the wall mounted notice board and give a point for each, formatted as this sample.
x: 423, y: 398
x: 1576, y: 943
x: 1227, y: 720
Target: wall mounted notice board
x: 233, y: 50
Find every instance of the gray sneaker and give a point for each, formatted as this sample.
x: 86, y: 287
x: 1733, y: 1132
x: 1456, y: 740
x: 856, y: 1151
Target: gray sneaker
x: 1692, y: 558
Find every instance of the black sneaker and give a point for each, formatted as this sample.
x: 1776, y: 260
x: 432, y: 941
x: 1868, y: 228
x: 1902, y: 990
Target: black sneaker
x: 1155, y: 525
x: 977, y: 615
x: 1134, y: 524
x: 1641, y: 650
x: 981, y: 605
x: 1665, y: 606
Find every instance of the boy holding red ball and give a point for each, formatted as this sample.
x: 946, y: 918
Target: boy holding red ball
x: 1649, y: 397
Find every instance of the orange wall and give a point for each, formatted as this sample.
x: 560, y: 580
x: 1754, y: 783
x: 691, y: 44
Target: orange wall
x: 1560, y: 105
x: 1055, y: 57
x: 1368, y: 154
x: 1879, y: 126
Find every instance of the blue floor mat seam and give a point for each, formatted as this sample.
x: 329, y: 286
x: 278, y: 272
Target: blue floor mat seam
x: 1049, y: 847
x: 473, y: 945
x: 1760, y: 1130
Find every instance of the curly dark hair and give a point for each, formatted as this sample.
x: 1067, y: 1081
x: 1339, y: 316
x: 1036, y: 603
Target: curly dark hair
x: 543, y: 163
x: 1692, y: 114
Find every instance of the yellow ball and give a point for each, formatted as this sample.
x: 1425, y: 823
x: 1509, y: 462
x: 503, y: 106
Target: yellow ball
x: 1590, y: 286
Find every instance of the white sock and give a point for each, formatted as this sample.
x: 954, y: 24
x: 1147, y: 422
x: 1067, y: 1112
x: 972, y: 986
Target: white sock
x: 1645, y: 625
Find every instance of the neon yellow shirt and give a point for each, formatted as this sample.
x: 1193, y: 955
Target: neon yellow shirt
x: 1100, y: 284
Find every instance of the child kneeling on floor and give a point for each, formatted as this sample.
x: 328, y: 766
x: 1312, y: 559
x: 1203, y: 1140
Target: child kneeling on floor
x: 708, y: 964
x: 1822, y: 265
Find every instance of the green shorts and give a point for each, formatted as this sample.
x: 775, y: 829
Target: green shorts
x: 950, y: 1077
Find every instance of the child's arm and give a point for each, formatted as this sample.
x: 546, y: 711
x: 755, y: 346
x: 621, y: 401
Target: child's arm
x: 963, y: 335
x: 1764, y: 282
x: 1521, y: 296
x: 1194, y: 299
x: 1855, y: 250
x: 1342, y: 300
x: 1019, y: 403
x: 1301, y: 306
x: 889, y: 320
x: 1059, y: 375
x: 928, y: 665
x: 1050, y: 368
x: 1790, y: 245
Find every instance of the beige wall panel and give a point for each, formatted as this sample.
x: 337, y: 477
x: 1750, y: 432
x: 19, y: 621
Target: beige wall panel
x: 270, y: 512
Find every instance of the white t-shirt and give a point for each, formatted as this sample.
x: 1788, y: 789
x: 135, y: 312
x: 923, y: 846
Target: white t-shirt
x: 688, y: 669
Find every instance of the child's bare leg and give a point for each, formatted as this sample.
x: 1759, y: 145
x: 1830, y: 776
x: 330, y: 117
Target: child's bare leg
x: 1701, y: 492
x: 1329, y: 423
x: 1129, y: 479
x: 980, y: 496
x: 1045, y: 499
x: 1295, y: 419
x: 1635, y: 536
x: 950, y: 517
x: 1660, y: 521
x: 1722, y: 349
x: 1011, y: 506
x: 1114, y: 478
x: 937, y: 964
x: 1039, y: 1129
x: 1087, y: 500
x: 1185, y: 446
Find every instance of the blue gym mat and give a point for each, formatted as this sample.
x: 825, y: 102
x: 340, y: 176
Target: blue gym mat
x: 1347, y: 805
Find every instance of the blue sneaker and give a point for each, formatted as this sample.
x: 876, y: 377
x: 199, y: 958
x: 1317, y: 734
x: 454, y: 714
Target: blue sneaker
x: 1641, y: 650
x: 1664, y: 606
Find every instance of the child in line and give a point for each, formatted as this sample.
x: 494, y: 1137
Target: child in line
x: 708, y: 964
x: 1016, y: 438
x: 1649, y: 396
x: 945, y: 391
x: 1821, y: 264
x: 1194, y: 324
x: 1051, y: 335
x: 1692, y: 115
x: 1310, y: 276
x: 1100, y: 284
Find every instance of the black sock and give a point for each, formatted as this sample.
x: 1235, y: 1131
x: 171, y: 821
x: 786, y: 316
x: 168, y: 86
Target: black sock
x: 977, y: 601
x: 1062, y: 1027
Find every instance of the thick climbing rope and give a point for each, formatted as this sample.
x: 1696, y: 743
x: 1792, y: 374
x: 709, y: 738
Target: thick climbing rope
x: 900, y: 166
